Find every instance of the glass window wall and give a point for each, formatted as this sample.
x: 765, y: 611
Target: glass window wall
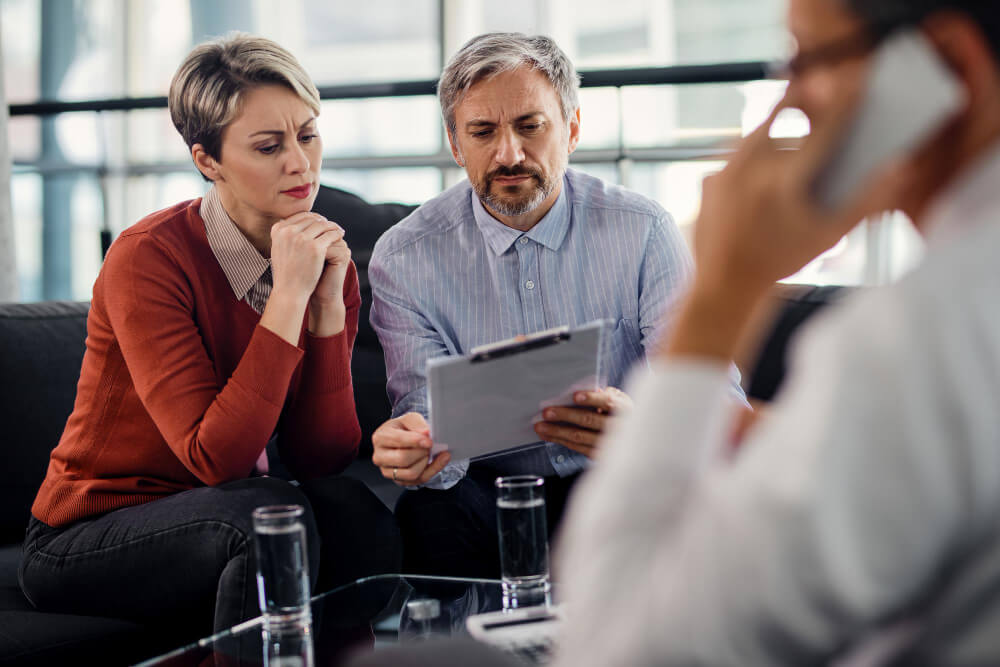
x: 79, y: 173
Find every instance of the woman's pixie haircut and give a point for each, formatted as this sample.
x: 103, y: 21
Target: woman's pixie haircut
x: 207, y: 90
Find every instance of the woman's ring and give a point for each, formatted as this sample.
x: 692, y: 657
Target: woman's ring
x: 394, y: 471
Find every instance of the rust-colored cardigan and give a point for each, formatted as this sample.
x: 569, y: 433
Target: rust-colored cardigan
x: 181, y: 388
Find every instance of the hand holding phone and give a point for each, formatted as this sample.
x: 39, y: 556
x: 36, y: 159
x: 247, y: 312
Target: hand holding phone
x: 771, y: 211
x: 909, y: 95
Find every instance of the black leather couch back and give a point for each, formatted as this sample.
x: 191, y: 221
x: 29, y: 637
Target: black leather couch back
x: 41, y: 349
x: 363, y: 223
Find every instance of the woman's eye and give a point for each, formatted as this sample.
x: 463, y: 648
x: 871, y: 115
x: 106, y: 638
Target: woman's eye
x: 267, y: 150
x: 306, y: 138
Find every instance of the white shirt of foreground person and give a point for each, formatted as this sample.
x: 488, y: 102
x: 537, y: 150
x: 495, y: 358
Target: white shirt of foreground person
x: 869, y: 497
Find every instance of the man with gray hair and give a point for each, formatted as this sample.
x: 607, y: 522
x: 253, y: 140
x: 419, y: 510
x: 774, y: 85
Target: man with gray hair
x: 524, y: 245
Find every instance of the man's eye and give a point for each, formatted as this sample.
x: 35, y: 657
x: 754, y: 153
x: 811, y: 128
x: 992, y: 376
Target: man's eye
x: 482, y: 134
x: 267, y: 150
x: 531, y: 127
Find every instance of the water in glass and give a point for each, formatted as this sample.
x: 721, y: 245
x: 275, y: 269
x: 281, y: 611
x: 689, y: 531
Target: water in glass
x: 524, y: 549
x: 282, y: 569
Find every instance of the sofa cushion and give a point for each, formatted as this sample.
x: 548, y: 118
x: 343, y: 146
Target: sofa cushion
x: 363, y: 224
x: 42, y: 347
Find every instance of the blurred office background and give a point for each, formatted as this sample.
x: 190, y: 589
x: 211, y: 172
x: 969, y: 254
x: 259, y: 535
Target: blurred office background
x: 78, y: 173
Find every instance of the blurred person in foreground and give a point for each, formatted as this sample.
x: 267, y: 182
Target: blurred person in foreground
x: 217, y: 325
x: 525, y: 244
x: 860, y: 517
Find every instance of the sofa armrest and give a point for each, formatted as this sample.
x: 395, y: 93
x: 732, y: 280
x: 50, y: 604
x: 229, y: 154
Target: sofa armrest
x: 43, y: 346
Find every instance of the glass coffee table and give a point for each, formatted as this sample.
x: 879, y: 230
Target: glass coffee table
x: 385, y: 612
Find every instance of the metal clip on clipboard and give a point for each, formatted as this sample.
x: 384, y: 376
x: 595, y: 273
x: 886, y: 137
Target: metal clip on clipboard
x: 519, y: 344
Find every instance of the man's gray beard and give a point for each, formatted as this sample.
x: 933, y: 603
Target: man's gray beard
x: 514, y: 208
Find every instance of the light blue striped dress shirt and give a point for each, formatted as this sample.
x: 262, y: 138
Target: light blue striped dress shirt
x: 450, y: 277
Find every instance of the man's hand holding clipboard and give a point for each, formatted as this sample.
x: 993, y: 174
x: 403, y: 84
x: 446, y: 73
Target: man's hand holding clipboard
x: 402, y: 450
x: 580, y: 426
x: 543, y: 386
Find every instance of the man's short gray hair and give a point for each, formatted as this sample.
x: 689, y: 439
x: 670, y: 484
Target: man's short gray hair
x: 493, y: 53
x: 207, y: 91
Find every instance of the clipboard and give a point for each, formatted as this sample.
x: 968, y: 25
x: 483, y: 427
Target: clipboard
x: 488, y: 401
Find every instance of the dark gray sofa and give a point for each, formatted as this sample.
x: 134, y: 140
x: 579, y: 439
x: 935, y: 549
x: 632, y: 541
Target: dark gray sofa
x: 41, y: 348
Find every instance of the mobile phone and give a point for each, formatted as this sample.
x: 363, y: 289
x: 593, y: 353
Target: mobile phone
x: 909, y: 95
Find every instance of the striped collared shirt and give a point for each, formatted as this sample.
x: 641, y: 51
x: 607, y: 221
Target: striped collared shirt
x: 451, y: 277
x: 248, y: 272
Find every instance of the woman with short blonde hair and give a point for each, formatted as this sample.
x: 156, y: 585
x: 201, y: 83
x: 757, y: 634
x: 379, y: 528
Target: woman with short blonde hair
x: 219, y: 338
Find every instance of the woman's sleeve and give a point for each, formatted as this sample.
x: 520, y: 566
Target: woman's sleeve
x: 320, y: 433
x: 216, y: 431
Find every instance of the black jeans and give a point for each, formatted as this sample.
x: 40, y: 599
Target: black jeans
x: 188, y: 559
x: 453, y: 532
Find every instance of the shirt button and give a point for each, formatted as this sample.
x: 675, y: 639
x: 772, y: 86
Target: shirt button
x: 524, y: 240
x: 530, y: 284
x: 560, y: 458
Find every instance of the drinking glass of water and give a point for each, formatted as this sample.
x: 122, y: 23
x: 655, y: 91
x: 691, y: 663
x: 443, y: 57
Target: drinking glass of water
x: 524, y: 546
x: 282, y: 566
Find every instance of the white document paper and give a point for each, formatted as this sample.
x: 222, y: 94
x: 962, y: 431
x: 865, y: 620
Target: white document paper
x: 485, y: 403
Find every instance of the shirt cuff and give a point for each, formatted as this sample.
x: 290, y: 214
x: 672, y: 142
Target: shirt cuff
x: 451, y: 475
x: 565, y: 461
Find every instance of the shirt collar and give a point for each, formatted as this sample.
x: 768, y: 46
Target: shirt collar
x: 971, y: 199
x: 240, y: 260
x: 549, y: 231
